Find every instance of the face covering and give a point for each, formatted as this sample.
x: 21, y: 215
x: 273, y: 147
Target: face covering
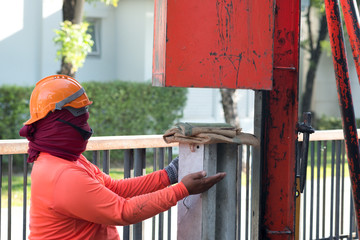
x: 84, y: 134
x: 60, y: 134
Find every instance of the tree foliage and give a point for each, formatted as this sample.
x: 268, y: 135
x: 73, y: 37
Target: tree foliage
x: 72, y: 38
x: 75, y: 43
x: 107, y: 2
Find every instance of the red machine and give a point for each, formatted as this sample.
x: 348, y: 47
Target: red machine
x: 215, y: 44
x: 242, y: 44
x: 254, y: 44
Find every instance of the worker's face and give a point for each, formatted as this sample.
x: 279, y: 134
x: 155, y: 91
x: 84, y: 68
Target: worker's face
x: 83, y: 128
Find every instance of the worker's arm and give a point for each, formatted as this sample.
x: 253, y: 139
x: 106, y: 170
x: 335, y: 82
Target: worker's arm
x: 131, y: 187
x: 79, y: 195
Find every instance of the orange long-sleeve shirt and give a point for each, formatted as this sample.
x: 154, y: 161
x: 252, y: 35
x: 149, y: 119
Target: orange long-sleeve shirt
x: 75, y: 200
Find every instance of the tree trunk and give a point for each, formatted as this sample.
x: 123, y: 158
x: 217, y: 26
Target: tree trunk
x: 314, y: 62
x: 72, y: 11
x: 229, y: 103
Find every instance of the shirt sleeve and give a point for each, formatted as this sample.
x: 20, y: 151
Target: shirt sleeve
x: 79, y: 195
x: 131, y: 187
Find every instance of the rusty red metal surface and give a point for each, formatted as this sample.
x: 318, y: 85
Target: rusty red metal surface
x: 213, y: 43
x: 281, y: 116
x: 350, y: 13
x: 345, y: 98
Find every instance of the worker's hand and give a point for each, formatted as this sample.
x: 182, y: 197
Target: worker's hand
x: 198, y: 182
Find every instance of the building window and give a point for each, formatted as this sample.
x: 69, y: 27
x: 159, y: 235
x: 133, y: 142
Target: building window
x: 94, y: 31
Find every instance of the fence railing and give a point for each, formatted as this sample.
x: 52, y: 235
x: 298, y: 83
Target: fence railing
x: 138, y: 153
x: 326, y: 203
x: 327, y: 209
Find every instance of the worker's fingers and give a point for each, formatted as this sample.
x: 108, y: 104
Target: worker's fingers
x: 199, y: 175
x: 214, y: 179
x: 198, y: 183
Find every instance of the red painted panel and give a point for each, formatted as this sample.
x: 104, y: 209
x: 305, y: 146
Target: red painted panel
x: 281, y: 116
x: 213, y: 43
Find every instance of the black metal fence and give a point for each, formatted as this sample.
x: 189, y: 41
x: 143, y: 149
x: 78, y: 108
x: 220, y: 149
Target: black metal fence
x: 327, y: 210
x: 14, y: 225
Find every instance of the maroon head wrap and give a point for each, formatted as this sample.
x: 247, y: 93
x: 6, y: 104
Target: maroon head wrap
x: 55, y: 137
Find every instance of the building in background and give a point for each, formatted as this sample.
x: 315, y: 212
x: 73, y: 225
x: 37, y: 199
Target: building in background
x: 123, y: 51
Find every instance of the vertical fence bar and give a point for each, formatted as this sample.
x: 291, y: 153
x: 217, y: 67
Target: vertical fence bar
x: 337, y: 197
x: 10, y: 171
x: 96, y: 157
x: 1, y: 175
x: 106, y: 161
x: 238, y: 190
x: 128, y: 157
x: 139, y: 156
x: 318, y: 164
x: 304, y: 213
x: 324, y: 189
x: 169, y: 211
x: 161, y: 158
x: 154, y: 218
x: 25, y: 196
x: 312, y: 145
x: 333, y: 145
x: 351, y: 216
x: 342, y: 185
x: 247, y: 191
x: 298, y: 191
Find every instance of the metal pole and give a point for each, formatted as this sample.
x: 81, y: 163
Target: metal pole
x: 161, y: 158
x: 139, y: 156
x: 106, y: 161
x: 169, y: 211
x: 345, y: 98
x: 128, y: 158
x: 10, y: 172
x: 350, y: 12
x: 1, y: 174
x: 280, y: 113
x: 25, y: 195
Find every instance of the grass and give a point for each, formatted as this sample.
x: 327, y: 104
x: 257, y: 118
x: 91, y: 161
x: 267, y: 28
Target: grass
x: 17, y: 191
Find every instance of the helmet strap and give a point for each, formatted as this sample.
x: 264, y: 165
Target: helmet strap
x: 59, y: 105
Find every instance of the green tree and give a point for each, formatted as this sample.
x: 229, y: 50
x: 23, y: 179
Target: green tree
x: 74, y: 41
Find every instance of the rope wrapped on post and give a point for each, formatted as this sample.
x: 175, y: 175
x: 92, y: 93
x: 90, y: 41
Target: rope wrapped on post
x: 208, y: 133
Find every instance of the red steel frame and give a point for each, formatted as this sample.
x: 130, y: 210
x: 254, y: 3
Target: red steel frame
x: 280, y: 113
x: 345, y: 98
x: 280, y: 116
x: 353, y: 29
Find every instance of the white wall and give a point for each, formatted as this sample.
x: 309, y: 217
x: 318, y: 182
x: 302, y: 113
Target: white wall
x: 325, y: 98
x: 135, y: 23
x: 104, y: 66
x: 19, y: 61
x: 29, y: 54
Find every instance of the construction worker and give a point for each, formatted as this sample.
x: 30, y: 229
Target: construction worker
x: 70, y: 197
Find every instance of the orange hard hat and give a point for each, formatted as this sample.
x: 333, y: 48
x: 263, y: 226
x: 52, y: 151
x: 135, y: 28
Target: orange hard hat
x: 54, y: 93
